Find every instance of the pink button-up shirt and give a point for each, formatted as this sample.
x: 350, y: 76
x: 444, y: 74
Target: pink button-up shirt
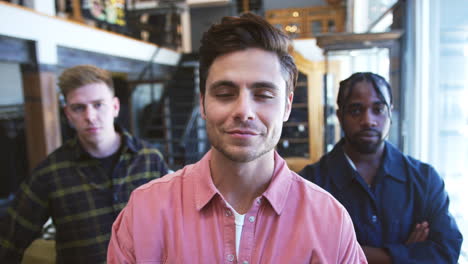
x: 182, y: 218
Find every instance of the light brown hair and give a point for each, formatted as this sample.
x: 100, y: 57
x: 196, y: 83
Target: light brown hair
x: 78, y: 76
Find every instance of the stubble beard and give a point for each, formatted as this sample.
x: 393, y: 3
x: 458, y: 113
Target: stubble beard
x: 366, y: 147
x: 240, y: 156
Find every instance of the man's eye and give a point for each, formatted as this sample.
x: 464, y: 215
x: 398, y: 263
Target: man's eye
x: 224, y: 95
x: 265, y: 95
x: 379, y: 109
x: 354, y: 111
x: 98, y: 105
x: 78, y: 108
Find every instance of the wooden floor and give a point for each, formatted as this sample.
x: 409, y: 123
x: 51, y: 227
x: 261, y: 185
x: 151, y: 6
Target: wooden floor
x: 40, y: 252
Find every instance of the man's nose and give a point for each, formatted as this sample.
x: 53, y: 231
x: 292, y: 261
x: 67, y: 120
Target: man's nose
x: 368, y: 119
x: 244, y: 107
x: 90, y: 113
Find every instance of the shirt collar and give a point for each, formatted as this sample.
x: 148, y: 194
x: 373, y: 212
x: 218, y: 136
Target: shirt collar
x: 343, y: 172
x: 393, y: 164
x: 128, y: 143
x: 276, y: 193
x: 205, y: 189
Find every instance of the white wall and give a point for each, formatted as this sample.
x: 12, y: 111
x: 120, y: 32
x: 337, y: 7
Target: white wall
x: 11, y: 90
x: 50, y: 32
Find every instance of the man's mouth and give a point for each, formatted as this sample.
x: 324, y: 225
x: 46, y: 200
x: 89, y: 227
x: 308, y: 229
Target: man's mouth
x: 242, y: 132
x: 92, y: 129
x: 368, y: 134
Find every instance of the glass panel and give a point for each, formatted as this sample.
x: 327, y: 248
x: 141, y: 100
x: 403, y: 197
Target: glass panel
x: 316, y: 27
x: 331, y: 26
x: 341, y: 64
x: 294, y: 140
x: 449, y: 128
x: 367, y: 12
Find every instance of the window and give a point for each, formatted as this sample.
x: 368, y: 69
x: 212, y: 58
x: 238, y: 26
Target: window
x: 441, y: 113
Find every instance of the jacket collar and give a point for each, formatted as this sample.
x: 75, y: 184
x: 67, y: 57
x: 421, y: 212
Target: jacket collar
x: 343, y: 173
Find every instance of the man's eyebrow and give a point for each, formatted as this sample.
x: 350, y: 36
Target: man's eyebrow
x: 75, y: 104
x: 221, y: 83
x: 354, y: 105
x: 265, y: 84
x: 92, y: 102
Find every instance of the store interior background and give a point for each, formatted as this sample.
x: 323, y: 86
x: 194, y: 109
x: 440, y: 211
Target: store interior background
x: 421, y: 47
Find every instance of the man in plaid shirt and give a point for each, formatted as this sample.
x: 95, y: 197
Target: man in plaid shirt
x: 85, y: 183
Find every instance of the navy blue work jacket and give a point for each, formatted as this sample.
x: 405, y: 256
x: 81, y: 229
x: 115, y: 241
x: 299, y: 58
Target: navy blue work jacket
x: 405, y: 192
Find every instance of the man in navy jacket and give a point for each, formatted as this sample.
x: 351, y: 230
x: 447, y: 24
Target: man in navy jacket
x: 398, y: 204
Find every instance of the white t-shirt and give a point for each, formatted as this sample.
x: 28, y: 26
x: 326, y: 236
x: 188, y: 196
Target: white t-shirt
x: 239, y: 220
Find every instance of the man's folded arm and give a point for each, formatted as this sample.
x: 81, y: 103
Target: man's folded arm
x: 444, y: 239
x: 23, y: 220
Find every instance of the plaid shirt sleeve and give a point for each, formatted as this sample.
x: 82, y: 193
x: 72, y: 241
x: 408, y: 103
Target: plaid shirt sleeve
x: 82, y: 200
x: 24, y: 218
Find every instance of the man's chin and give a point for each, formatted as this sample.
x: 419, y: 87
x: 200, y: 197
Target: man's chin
x: 241, y: 155
x: 367, y: 148
x: 89, y: 138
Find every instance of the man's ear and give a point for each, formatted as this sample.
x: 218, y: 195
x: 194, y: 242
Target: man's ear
x: 116, y: 106
x: 288, y: 106
x: 66, y: 110
x: 390, y: 111
x: 202, y: 107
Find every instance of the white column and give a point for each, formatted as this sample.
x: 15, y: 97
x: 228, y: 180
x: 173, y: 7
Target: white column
x: 418, y: 117
x: 186, y: 30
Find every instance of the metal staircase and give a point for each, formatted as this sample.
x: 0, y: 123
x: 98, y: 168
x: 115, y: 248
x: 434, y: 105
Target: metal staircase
x: 174, y: 123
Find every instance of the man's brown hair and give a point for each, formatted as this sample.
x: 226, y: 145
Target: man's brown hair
x: 78, y: 76
x: 240, y: 33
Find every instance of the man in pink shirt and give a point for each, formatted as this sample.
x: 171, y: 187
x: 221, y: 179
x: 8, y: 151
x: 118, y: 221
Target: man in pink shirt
x: 240, y: 203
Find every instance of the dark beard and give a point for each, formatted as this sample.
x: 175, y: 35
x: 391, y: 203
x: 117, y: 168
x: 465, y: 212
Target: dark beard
x: 365, y: 147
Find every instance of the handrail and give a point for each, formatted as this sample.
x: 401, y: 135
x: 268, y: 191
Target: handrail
x: 381, y: 17
x: 190, y: 124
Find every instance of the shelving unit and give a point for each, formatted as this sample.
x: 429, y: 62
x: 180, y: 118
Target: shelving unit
x: 302, y: 138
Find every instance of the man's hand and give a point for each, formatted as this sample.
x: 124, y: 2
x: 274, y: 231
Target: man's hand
x: 419, y: 233
x: 376, y: 255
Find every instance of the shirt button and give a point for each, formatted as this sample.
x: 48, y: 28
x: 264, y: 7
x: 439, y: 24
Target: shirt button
x: 374, y: 219
x: 230, y: 257
x: 252, y: 219
x: 228, y: 213
x: 259, y: 200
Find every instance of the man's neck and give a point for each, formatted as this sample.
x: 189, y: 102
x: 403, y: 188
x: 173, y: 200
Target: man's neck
x: 241, y: 182
x: 103, y: 148
x: 366, y: 164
